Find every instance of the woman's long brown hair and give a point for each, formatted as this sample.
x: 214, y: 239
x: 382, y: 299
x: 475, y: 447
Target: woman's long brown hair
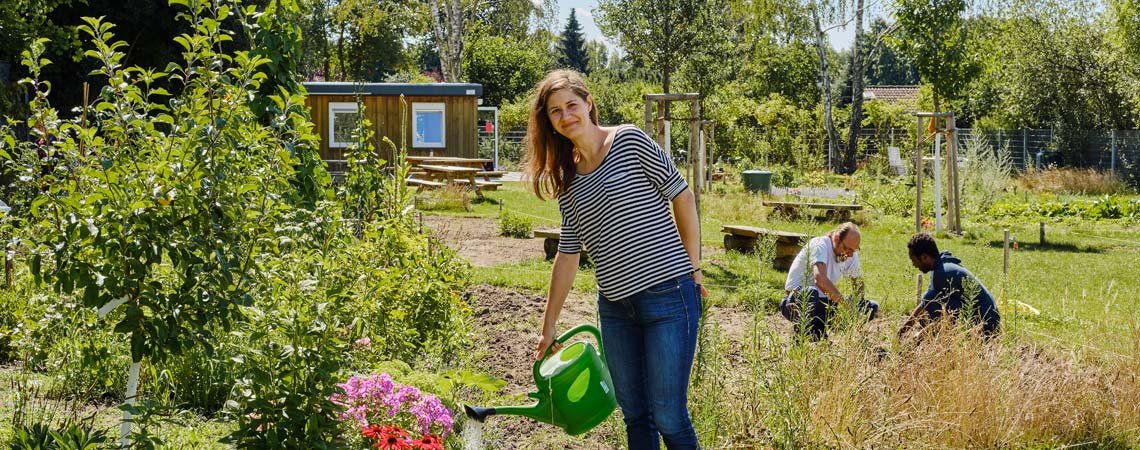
x: 549, y: 163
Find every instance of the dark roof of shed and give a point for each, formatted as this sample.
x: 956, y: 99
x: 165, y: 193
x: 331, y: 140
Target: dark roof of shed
x: 418, y: 89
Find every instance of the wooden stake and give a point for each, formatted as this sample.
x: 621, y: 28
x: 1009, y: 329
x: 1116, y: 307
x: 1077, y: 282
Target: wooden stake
x: 1005, y: 260
x: 918, y: 178
x: 918, y: 289
x: 1042, y: 225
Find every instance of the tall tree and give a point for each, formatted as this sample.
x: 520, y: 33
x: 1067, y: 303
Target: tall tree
x: 932, y: 36
x: 447, y: 24
x: 573, y: 46
x: 822, y: 13
x: 861, y: 52
x: 659, y: 32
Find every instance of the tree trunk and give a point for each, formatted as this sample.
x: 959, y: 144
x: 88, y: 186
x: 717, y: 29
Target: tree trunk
x: 825, y: 87
x: 340, y: 54
x: 857, y: 71
x: 447, y: 28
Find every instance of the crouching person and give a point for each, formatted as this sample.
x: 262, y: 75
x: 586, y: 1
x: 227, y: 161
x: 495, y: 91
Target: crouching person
x: 810, y: 292
x: 952, y: 289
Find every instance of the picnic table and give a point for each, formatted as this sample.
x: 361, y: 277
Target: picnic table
x: 841, y: 212
x: 459, y: 175
x: 744, y: 239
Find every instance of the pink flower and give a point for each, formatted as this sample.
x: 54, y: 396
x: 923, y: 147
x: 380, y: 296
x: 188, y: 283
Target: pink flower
x: 364, y: 342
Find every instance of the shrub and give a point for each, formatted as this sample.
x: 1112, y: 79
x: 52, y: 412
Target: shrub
x: 986, y: 173
x: 513, y: 225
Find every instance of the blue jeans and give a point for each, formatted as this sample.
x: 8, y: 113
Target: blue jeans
x: 817, y: 311
x: 649, y: 340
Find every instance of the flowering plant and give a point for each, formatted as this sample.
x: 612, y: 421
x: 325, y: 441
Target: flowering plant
x: 385, y: 412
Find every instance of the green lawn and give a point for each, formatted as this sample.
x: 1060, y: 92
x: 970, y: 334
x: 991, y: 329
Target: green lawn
x: 1079, y: 280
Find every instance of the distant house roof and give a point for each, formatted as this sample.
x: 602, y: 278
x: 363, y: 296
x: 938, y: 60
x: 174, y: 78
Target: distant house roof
x: 892, y: 93
x: 417, y: 89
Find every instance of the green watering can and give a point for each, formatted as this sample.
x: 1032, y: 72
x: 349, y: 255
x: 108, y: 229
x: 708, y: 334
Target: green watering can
x: 575, y: 391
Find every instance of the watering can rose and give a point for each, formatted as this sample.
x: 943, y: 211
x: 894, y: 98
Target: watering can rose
x: 384, y: 411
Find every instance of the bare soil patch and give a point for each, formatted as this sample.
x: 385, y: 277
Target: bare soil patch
x: 477, y: 240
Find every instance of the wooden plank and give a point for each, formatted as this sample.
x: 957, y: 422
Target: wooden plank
x: 747, y: 231
x: 484, y: 185
x: 424, y: 183
x: 548, y: 233
x: 832, y: 206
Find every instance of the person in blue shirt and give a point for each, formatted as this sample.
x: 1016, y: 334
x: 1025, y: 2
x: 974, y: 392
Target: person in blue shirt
x: 952, y: 289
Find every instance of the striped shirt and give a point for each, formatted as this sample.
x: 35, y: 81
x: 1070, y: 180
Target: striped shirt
x: 620, y: 213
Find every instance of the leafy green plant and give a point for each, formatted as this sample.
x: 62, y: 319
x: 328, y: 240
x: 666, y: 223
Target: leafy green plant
x: 514, y: 225
x: 155, y: 206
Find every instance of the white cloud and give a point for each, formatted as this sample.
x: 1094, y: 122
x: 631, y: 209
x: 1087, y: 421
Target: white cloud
x: 583, y: 12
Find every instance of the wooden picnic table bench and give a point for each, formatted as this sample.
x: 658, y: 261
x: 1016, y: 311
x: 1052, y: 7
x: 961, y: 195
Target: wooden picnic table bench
x: 745, y: 239
x: 841, y: 212
x: 451, y: 174
x: 422, y: 183
x: 478, y: 163
x: 550, y: 238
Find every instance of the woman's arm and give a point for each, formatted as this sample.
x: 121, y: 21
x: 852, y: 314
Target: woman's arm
x: 561, y: 279
x: 688, y: 224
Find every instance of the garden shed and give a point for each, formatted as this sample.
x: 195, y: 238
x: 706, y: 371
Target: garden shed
x: 440, y: 121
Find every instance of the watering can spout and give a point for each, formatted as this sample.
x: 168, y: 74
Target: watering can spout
x: 477, y: 413
x: 540, y: 412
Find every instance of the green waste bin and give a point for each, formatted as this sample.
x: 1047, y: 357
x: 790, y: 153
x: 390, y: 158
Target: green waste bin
x: 757, y: 180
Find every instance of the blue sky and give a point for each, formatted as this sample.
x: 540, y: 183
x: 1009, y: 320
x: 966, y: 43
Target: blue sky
x: 840, y: 38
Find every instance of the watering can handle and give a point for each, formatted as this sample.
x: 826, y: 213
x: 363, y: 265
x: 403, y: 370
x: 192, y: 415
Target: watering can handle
x: 565, y: 337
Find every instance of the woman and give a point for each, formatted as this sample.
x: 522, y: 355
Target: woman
x: 614, y: 186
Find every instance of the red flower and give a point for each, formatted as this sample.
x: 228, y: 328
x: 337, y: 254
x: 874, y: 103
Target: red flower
x: 428, y: 442
x: 371, y: 432
x: 387, y: 437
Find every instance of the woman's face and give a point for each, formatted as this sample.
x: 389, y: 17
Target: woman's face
x: 569, y: 113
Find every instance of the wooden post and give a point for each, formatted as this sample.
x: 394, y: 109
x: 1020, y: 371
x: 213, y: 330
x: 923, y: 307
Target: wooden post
x: 918, y: 178
x: 648, y: 116
x: 1005, y: 260
x: 917, y: 289
x: 660, y: 124
x: 696, y: 156
x: 955, y: 184
x: 1042, y: 237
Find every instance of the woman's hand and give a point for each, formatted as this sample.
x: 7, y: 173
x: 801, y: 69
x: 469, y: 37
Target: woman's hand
x: 546, y: 339
x: 699, y: 278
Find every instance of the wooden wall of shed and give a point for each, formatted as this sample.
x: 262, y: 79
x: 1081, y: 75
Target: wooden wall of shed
x: 384, y: 113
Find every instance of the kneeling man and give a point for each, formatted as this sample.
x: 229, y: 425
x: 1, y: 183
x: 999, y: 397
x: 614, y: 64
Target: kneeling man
x: 952, y: 288
x: 810, y: 292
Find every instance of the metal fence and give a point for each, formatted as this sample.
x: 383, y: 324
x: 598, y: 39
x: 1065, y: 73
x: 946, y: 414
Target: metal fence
x: 1105, y: 150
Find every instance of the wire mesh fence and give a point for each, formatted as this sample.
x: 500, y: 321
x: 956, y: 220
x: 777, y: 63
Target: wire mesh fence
x: 1103, y: 150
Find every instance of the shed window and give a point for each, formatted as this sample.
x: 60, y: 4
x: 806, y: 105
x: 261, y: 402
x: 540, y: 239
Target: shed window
x: 428, y: 125
x: 343, y: 117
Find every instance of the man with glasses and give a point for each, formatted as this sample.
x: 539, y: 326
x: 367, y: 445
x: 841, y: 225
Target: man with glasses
x: 810, y: 294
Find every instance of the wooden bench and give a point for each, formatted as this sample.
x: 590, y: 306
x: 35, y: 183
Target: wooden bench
x: 838, y: 212
x: 483, y: 185
x: 745, y: 239
x: 550, y: 238
x: 488, y: 174
x: 424, y: 184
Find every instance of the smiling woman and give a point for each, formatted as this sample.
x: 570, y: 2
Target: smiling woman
x: 614, y: 186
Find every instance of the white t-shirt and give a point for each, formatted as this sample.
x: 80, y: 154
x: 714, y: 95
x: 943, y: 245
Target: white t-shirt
x: 820, y: 250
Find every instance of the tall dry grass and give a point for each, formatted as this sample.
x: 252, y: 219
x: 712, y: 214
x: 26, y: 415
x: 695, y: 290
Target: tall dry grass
x: 865, y: 389
x: 1073, y: 181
